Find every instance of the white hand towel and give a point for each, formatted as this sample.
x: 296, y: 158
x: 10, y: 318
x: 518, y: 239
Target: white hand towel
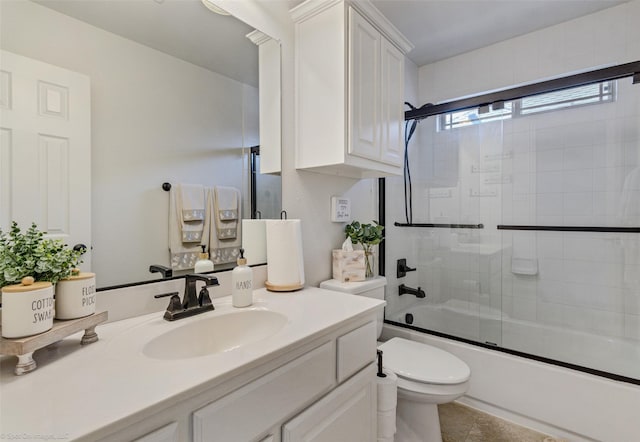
x: 190, y: 205
x: 226, y: 249
x: 192, y: 201
x: 226, y: 211
x: 183, y: 255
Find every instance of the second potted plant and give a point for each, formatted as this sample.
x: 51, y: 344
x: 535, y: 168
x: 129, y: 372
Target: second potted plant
x: 367, y: 235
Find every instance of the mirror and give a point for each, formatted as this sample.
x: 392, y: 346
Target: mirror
x: 174, y: 98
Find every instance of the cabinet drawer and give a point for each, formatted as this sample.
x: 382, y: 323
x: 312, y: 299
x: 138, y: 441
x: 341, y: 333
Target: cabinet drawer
x: 355, y: 350
x: 253, y: 409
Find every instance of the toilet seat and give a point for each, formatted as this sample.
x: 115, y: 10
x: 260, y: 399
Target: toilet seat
x: 423, y: 363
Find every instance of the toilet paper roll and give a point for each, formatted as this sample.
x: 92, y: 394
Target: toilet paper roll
x: 386, y: 423
x: 254, y: 241
x: 285, y: 265
x: 387, y: 391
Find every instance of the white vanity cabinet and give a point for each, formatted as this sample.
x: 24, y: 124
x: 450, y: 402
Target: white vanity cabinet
x: 258, y: 410
x: 316, y: 371
x: 323, y: 390
x: 349, y: 62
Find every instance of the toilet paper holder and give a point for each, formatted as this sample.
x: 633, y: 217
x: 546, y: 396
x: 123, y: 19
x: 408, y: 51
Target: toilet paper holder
x: 380, y: 373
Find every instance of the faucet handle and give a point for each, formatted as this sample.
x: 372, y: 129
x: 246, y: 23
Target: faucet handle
x: 175, y: 305
x: 204, y: 298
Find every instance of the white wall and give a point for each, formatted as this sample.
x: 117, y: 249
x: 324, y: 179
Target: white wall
x: 155, y: 118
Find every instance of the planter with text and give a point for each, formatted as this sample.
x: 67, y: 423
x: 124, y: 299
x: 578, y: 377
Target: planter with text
x: 76, y: 296
x: 27, y: 308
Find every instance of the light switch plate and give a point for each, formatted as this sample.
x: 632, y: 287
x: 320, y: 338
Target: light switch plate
x: 340, y: 209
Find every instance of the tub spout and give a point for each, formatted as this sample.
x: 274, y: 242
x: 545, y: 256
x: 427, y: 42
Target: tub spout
x: 418, y: 293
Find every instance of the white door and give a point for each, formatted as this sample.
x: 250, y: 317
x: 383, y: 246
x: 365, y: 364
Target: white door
x: 45, y: 150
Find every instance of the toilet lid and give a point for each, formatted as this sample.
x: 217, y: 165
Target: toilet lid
x: 423, y: 363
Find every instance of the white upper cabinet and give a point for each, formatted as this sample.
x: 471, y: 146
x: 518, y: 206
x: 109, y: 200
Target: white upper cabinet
x: 269, y: 98
x: 349, y: 89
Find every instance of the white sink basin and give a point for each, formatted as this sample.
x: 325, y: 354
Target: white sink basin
x: 215, y: 334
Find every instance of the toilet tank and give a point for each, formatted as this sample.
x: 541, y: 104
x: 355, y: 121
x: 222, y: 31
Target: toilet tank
x: 371, y: 288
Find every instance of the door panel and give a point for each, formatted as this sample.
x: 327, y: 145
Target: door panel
x: 45, y: 150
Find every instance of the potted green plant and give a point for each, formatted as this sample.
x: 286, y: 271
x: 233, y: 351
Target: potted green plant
x: 31, y: 254
x: 30, y: 265
x: 367, y: 235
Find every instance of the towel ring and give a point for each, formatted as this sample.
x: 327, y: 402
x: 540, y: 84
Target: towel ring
x: 283, y: 214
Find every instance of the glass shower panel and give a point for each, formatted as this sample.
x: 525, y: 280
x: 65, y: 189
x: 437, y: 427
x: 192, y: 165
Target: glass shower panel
x: 456, y: 173
x: 572, y: 296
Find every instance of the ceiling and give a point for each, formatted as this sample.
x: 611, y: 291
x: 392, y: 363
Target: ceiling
x: 185, y: 29
x: 441, y: 29
x: 438, y: 29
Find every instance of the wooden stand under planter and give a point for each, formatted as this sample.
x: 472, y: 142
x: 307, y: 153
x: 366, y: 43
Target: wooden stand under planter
x: 23, y: 348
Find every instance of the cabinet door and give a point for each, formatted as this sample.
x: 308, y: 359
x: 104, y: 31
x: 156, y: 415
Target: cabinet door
x: 168, y: 433
x: 392, y: 106
x: 364, y: 85
x: 252, y: 410
x: 348, y: 413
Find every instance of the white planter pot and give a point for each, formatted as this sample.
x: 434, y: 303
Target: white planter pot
x: 76, y: 296
x: 27, y: 309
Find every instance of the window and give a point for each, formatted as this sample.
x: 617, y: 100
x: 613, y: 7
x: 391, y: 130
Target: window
x: 552, y: 101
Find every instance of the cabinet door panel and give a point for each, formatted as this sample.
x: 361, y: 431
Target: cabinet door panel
x: 249, y: 412
x: 168, y: 433
x: 346, y: 414
x: 364, y: 94
x: 392, y: 119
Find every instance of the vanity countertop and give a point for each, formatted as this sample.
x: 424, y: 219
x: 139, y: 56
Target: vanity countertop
x: 78, y: 391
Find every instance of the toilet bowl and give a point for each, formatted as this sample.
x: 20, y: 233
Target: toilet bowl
x: 427, y: 376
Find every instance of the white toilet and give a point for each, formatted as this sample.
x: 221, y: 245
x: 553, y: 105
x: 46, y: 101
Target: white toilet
x: 427, y: 376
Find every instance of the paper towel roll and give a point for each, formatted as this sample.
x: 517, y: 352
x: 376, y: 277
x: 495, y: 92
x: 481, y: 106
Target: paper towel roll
x: 387, y: 391
x: 254, y: 241
x: 386, y: 423
x: 285, y: 261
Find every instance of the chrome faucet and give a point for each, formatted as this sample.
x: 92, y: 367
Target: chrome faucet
x: 191, y: 304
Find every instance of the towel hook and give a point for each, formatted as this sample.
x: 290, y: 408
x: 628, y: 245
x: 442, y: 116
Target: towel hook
x: 283, y: 214
x: 166, y: 187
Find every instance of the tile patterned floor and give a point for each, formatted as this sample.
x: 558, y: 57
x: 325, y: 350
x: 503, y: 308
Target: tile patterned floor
x: 460, y: 423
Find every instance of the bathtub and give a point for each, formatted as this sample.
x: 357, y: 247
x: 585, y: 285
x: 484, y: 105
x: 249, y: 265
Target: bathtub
x: 488, y: 325
x: 552, y: 399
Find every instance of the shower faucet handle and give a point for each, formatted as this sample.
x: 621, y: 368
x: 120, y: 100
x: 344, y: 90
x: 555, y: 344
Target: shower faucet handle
x: 402, y: 268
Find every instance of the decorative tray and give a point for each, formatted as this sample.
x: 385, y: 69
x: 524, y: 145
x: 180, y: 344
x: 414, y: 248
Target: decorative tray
x: 23, y: 348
